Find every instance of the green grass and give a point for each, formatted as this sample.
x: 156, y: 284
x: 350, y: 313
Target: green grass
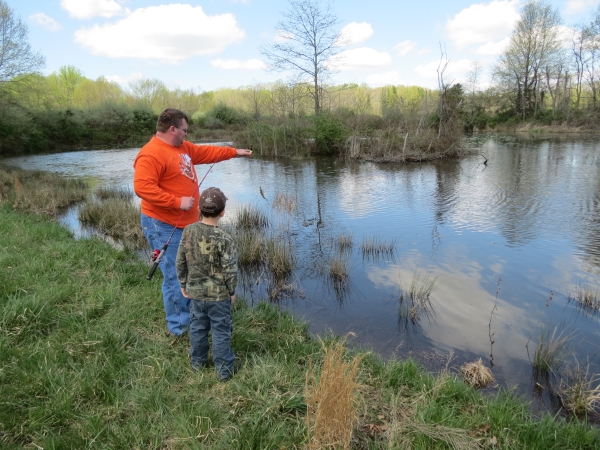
x: 85, y: 363
x: 250, y: 216
x: 40, y: 192
x: 551, y: 350
x: 417, y: 299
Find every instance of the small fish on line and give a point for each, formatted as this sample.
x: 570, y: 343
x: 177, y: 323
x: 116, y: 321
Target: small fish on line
x: 261, y: 192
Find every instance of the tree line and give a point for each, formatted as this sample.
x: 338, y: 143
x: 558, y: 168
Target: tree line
x: 536, y: 78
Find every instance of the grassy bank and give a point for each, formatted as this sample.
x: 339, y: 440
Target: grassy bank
x: 85, y: 362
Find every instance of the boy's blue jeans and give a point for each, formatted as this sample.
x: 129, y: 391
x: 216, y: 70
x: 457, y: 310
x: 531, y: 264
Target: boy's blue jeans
x: 205, y: 316
x: 177, y: 307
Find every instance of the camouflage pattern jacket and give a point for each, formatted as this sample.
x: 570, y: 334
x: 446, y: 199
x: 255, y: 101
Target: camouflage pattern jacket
x: 207, y: 263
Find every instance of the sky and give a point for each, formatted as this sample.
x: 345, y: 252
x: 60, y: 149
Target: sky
x: 210, y: 44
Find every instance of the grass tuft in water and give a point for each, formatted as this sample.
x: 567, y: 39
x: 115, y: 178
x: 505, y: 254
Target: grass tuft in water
x: 251, y: 248
x: 476, y: 374
x: 339, y: 268
x: 280, y: 258
x: 579, y: 391
x: 376, y: 246
x: 40, y: 192
x: 551, y: 351
x: 249, y: 217
x: 344, y: 241
x: 587, y: 297
x: 115, y: 217
x: 417, y: 300
x: 111, y: 192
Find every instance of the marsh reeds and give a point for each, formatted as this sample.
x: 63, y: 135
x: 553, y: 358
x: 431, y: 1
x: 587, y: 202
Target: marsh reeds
x: 113, y: 192
x: 339, y: 267
x: 40, y: 192
x: 551, y: 350
x: 115, y: 217
x: 417, y: 300
x: 251, y: 247
x: 374, y: 246
x: 344, y: 241
x: 476, y: 374
x: 280, y: 257
x: 579, y: 391
x: 250, y: 216
x: 587, y: 297
x: 331, y: 399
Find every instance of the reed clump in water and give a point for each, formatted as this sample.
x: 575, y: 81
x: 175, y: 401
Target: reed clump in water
x: 579, y: 391
x: 339, y: 268
x: 376, y: 246
x: 112, y: 192
x: 280, y: 258
x: 587, y: 297
x: 417, y: 300
x: 249, y: 217
x: 115, y: 217
x: 331, y: 399
x: 476, y: 374
x: 40, y: 192
x: 344, y: 241
x: 551, y: 350
x: 251, y: 248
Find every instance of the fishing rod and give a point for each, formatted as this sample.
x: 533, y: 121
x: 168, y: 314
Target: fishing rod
x: 158, y: 254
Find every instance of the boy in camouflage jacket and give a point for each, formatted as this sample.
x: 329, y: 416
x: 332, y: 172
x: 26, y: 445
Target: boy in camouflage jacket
x: 206, y: 266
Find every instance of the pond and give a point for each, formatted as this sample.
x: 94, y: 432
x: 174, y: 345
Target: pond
x: 508, y: 245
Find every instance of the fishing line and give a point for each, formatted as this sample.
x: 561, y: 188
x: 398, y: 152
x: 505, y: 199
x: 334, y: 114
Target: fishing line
x: 158, y: 254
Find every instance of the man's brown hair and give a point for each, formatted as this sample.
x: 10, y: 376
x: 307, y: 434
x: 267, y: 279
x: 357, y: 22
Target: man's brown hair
x: 170, y: 117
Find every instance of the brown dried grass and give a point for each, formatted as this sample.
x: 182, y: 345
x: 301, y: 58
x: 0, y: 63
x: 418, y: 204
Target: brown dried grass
x: 331, y: 399
x: 477, y: 374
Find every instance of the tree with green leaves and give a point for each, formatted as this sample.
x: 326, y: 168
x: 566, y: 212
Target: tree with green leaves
x: 16, y: 56
x: 310, y: 42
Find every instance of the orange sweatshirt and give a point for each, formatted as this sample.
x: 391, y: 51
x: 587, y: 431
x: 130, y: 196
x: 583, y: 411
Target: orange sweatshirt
x: 164, y: 173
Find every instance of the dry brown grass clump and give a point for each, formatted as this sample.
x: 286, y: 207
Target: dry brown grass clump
x: 331, y: 400
x: 284, y: 203
x: 477, y: 374
x: 579, y: 392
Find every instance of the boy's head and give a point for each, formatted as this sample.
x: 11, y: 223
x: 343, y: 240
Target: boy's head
x: 212, y: 202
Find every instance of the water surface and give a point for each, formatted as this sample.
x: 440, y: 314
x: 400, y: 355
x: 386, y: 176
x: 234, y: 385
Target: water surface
x: 509, y: 243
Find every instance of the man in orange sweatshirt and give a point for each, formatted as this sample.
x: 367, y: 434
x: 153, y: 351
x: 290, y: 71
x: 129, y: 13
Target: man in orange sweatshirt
x: 166, y: 181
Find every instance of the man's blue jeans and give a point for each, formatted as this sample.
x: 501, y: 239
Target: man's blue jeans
x: 177, y: 307
x: 216, y: 316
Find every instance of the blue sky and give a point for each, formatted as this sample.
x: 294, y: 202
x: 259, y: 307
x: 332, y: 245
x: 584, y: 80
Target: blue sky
x: 207, y: 45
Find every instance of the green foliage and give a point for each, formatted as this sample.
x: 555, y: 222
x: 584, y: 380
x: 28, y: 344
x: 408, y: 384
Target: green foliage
x: 330, y: 134
x: 220, y: 116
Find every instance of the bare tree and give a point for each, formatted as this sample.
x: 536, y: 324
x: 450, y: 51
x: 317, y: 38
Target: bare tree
x: 16, y: 56
x: 310, y: 42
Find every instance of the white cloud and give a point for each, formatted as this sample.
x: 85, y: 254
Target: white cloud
x: 45, y: 21
x: 124, y: 81
x: 363, y: 58
x: 385, y: 79
x: 143, y: 34
x: 453, y: 73
x: 493, y: 48
x: 86, y: 9
x: 575, y: 6
x: 483, y: 23
x: 234, y: 64
x: 405, y: 47
x: 354, y: 33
